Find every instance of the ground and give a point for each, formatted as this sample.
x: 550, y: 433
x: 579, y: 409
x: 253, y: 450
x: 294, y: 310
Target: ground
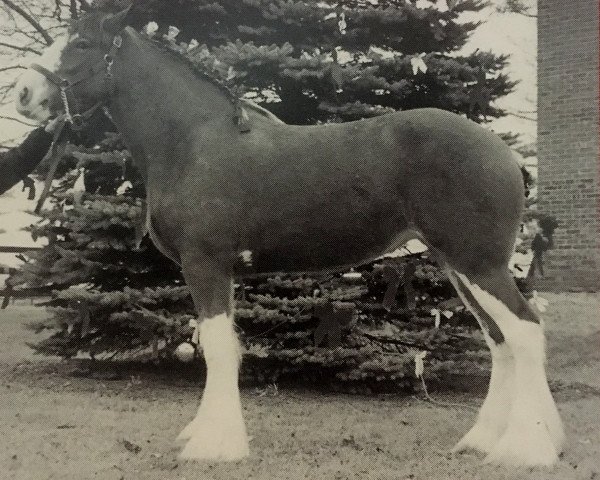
x: 58, y: 422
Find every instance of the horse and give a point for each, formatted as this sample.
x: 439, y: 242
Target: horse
x: 308, y: 198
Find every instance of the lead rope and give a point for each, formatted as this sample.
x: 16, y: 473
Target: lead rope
x: 57, y: 150
x: 63, y: 96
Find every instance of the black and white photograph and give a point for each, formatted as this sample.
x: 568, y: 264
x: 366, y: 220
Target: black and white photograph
x: 299, y: 239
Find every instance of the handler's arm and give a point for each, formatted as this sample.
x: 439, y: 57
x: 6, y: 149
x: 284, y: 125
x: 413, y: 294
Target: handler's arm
x: 18, y: 162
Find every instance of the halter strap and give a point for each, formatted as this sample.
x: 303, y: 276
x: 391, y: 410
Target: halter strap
x: 53, y: 77
x: 70, y: 102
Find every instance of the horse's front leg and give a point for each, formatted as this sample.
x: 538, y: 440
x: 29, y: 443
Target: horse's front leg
x: 218, y: 431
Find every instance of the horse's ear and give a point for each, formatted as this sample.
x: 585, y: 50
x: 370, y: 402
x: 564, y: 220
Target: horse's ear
x: 115, y: 23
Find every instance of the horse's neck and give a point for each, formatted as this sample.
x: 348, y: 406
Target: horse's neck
x: 160, y: 101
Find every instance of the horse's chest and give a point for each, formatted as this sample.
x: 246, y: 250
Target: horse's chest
x: 183, y: 218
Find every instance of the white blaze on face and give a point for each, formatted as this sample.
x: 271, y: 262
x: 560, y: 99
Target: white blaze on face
x: 33, y: 90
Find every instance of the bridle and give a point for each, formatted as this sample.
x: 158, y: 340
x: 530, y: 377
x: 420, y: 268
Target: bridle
x: 76, y: 119
x: 70, y: 103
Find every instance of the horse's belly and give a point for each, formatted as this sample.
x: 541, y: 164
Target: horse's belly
x: 301, y: 259
x: 323, y: 245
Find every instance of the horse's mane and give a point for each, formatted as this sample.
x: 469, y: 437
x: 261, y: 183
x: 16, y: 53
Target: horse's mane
x: 204, y: 74
x: 196, y: 69
x: 109, y: 6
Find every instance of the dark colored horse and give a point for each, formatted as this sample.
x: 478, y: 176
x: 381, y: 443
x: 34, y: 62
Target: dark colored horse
x: 309, y: 198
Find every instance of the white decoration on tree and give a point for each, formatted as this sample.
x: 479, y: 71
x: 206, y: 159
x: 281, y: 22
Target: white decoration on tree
x: 418, y: 64
x: 78, y: 187
x: 342, y: 23
x: 247, y: 257
x: 151, y: 28
x: 352, y: 275
x: 419, y: 366
x: 436, y: 314
x: 231, y: 73
x: 126, y: 185
x: 185, y: 352
x: 259, y: 351
x: 172, y: 33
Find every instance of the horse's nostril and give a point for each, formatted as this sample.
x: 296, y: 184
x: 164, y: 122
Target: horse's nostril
x: 44, y: 103
x: 24, y: 96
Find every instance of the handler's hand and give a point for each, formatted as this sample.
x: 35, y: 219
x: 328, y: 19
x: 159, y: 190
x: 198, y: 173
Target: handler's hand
x: 51, y: 125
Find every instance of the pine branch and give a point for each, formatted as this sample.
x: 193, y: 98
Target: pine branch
x: 394, y: 341
x: 32, y: 21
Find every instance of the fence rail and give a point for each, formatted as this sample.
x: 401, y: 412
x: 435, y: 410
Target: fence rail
x: 8, y: 293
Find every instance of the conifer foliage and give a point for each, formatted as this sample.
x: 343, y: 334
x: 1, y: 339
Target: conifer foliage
x: 308, y: 62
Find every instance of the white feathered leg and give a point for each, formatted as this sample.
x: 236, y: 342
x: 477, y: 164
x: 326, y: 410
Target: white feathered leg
x: 492, y: 418
x: 218, y: 431
x: 534, y: 433
x: 493, y: 415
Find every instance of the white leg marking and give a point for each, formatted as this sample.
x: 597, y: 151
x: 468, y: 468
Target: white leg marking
x: 534, y: 434
x: 218, y: 432
x: 493, y: 415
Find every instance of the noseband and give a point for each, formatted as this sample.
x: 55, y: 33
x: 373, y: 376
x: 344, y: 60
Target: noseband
x: 70, y: 102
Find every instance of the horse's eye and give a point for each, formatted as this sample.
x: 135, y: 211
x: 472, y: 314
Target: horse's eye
x: 82, y: 43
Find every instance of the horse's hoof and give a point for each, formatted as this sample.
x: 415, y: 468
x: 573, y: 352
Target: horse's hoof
x: 215, y: 440
x: 482, y: 437
x: 186, y: 433
x: 218, y: 450
x: 527, y: 446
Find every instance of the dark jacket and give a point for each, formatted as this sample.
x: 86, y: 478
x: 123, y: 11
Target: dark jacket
x: 18, y: 162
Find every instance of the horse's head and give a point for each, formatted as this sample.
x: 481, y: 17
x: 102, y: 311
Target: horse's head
x: 73, y: 74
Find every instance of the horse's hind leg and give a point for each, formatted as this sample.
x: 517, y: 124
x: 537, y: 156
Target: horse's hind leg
x: 218, y: 431
x: 493, y: 415
x: 518, y: 423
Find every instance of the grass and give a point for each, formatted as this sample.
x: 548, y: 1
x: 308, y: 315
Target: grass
x: 57, y: 424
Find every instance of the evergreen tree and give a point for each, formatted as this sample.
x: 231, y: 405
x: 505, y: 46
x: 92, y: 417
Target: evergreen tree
x: 338, y: 61
x: 308, y: 62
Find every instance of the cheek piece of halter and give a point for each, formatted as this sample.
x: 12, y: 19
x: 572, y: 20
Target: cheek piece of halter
x: 70, y: 103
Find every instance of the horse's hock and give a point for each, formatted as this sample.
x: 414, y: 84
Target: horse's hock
x: 569, y: 183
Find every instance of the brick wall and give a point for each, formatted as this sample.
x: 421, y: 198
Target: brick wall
x: 568, y: 132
